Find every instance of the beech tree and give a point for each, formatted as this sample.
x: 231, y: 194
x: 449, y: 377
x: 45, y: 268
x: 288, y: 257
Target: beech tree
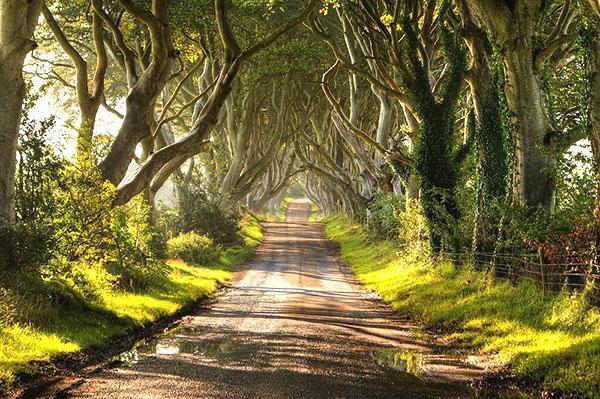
x: 593, y: 69
x: 513, y: 26
x: 192, y: 143
x: 467, y: 106
x: 148, y: 68
x: 430, y: 97
x: 89, y: 98
x: 18, y: 19
x: 490, y: 136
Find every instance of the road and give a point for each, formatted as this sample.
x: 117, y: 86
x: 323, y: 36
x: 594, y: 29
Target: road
x: 294, y: 324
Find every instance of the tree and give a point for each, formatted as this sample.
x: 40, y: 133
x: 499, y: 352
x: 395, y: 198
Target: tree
x: 593, y: 69
x: 233, y: 58
x: 400, y: 35
x: 89, y: 98
x: 514, y: 28
x: 489, y: 131
x: 18, y: 19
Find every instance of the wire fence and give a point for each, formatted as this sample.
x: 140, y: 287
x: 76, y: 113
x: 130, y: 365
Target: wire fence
x: 572, y: 272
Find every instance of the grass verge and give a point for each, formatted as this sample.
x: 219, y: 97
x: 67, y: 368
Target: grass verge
x: 315, y: 215
x: 70, y: 322
x: 280, y: 213
x: 552, y: 339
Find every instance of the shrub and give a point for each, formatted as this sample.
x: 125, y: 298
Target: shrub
x: 29, y: 243
x: 26, y: 245
x: 194, y: 248
x: 85, y: 212
x: 209, y: 215
x: 413, y: 236
x: 7, y: 308
x: 383, y: 211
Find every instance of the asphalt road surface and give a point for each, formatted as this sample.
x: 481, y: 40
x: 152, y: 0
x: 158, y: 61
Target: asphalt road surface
x: 294, y: 324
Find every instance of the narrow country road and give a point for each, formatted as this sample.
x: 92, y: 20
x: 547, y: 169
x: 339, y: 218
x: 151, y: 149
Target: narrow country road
x: 294, y: 324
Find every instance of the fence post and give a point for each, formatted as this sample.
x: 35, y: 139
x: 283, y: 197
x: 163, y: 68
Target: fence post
x: 542, y: 271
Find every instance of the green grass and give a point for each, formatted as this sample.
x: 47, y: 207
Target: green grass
x: 74, y: 323
x: 552, y: 338
x: 316, y: 214
x: 280, y: 213
x: 251, y: 230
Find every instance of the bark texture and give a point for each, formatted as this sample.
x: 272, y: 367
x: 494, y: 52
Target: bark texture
x: 594, y: 106
x: 489, y: 136
x: 18, y: 19
x: 512, y: 25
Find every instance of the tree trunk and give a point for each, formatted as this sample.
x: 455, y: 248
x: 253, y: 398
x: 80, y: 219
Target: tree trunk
x: 137, y: 122
x: 18, y: 19
x: 594, y: 111
x: 512, y: 26
x: 412, y: 187
x: 489, y: 135
x: 593, y: 64
x: 533, y: 181
x: 384, y: 122
x: 189, y: 145
x: 85, y: 136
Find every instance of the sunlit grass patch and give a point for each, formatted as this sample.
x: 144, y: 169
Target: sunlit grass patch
x: 22, y: 344
x: 553, y: 338
x: 70, y: 322
x: 280, y: 213
x: 315, y: 213
x: 251, y: 230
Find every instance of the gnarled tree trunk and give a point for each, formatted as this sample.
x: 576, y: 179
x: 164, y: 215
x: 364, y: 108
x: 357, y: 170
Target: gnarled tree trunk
x: 533, y: 181
x: 594, y: 105
x: 18, y: 19
x: 512, y: 25
x: 489, y: 136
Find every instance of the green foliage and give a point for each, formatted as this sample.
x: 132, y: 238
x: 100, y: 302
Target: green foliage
x: 27, y: 245
x: 525, y: 230
x: 382, y: 219
x: 209, y: 215
x: 492, y: 173
x: 576, y: 182
x: 192, y: 247
x: 66, y: 226
x: 137, y: 249
x: 7, y: 307
x: 67, y: 306
x: 434, y: 162
x: 412, y: 228
x: 251, y: 230
x: 467, y: 199
x: 39, y: 172
x: 85, y: 211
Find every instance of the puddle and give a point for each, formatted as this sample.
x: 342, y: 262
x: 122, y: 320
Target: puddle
x: 401, y: 360
x: 372, y: 295
x: 183, y: 341
x: 414, y: 363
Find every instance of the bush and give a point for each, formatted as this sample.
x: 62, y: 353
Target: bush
x: 26, y: 245
x: 7, y: 307
x: 413, y: 236
x: 194, y: 248
x: 30, y: 242
x: 209, y: 215
x: 136, y: 250
x: 383, y: 215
